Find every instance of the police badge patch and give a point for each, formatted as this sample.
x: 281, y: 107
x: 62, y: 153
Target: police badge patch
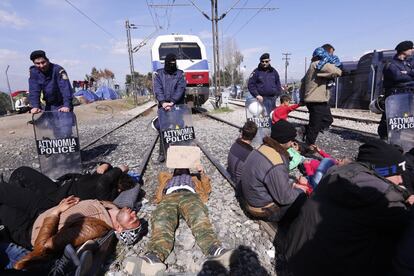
x: 63, y: 75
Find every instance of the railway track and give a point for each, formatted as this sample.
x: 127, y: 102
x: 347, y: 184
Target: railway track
x: 336, y: 125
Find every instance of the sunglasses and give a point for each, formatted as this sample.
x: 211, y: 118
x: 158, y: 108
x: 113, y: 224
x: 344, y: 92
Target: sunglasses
x: 265, y: 61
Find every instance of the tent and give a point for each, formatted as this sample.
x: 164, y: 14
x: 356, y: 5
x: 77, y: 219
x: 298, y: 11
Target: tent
x: 87, y: 94
x: 106, y: 93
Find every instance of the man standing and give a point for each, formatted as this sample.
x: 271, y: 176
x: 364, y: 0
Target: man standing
x: 398, y: 73
x: 264, y: 83
x: 169, y: 89
x: 53, y: 81
x: 315, y: 93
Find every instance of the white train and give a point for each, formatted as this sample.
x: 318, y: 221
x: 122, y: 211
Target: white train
x: 191, y: 58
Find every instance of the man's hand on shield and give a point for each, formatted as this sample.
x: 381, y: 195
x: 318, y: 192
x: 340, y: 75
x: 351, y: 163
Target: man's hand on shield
x: 35, y: 110
x: 64, y: 109
x: 167, y: 106
x: 259, y: 98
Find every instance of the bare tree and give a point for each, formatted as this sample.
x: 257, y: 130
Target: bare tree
x: 232, y: 60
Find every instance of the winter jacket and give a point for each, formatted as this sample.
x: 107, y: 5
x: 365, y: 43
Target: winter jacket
x: 169, y: 88
x: 51, y: 241
x: 237, y: 157
x: 265, y: 83
x: 397, y: 73
x: 265, y: 180
x: 54, y: 84
x: 75, y: 215
x: 348, y: 226
x: 202, y: 186
x: 313, y: 86
x: 93, y: 186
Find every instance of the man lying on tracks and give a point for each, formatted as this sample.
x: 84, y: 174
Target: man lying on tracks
x: 239, y: 152
x: 104, y: 184
x: 352, y: 221
x: 267, y: 189
x: 33, y: 219
x: 179, y: 194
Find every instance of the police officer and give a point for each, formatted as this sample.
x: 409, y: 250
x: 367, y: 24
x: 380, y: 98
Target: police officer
x: 169, y: 89
x: 398, y: 75
x: 264, y: 83
x: 52, y: 80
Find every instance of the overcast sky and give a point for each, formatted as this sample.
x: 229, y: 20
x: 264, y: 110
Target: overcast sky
x: 296, y: 26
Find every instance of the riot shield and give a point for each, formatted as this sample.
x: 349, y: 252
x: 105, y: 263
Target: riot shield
x: 256, y: 112
x: 399, y: 110
x: 57, y: 143
x: 176, y: 126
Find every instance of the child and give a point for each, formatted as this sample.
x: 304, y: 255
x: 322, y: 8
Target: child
x: 324, y: 58
x: 281, y: 112
x: 313, y: 167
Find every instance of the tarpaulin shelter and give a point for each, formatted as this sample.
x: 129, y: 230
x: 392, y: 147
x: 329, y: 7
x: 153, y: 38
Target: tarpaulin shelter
x: 106, y: 93
x: 87, y: 94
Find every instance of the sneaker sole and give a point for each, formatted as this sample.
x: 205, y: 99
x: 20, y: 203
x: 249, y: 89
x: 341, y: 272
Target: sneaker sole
x: 226, y: 258
x: 136, y: 265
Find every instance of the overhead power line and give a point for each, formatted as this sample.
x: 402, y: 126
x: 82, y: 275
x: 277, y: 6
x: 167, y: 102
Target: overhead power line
x: 90, y: 19
x: 251, y: 18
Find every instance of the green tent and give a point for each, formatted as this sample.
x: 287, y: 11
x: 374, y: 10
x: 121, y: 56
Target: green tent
x: 5, y: 103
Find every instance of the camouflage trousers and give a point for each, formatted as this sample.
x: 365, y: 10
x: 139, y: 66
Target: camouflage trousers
x: 165, y: 221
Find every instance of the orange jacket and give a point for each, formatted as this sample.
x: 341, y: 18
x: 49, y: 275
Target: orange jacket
x: 202, y: 187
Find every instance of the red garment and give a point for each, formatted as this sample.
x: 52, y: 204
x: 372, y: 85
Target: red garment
x: 313, y: 165
x: 281, y: 112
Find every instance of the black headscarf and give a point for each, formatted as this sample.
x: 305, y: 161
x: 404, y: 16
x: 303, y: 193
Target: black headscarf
x: 170, y: 65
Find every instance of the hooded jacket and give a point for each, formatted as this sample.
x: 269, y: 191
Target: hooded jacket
x: 313, y: 85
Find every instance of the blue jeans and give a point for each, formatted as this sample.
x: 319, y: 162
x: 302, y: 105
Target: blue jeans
x: 10, y: 253
x: 325, y: 164
x: 269, y: 104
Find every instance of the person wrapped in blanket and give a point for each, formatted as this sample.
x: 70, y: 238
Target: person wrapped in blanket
x: 313, y: 168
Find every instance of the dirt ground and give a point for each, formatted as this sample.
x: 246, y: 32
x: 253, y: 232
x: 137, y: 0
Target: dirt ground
x: 16, y: 126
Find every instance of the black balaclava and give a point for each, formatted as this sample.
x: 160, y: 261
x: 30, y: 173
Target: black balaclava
x: 170, y: 65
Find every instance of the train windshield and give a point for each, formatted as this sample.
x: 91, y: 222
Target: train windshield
x: 183, y: 50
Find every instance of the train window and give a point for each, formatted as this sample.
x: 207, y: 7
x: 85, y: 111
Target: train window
x: 182, y: 50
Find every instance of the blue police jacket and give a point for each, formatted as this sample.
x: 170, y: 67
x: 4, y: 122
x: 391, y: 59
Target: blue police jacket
x: 397, y: 73
x: 169, y: 88
x: 55, y: 85
x: 264, y: 82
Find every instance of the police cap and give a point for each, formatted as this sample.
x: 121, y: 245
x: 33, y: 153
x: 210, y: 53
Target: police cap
x: 404, y: 46
x: 37, y: 54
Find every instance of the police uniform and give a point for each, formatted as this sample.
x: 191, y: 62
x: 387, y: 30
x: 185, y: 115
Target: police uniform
x: 55, y: 85
x: 398, y: 74
x: 57, y: 93
x: 265, y: 83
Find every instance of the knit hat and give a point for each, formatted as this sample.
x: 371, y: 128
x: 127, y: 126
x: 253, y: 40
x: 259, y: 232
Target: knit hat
x: 37, y: 54
x: 283, y: 132
x: 129, y: 237
x: 386, y: 159
x: 404, y: 46
x: 265, y: 56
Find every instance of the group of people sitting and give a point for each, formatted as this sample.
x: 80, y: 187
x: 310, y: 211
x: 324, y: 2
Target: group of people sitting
x: 44, y: 219
x: 341, y: 216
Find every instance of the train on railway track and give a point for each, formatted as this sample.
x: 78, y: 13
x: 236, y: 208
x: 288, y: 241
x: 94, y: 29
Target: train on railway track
x: 191, y: 58
x: 361, y: 81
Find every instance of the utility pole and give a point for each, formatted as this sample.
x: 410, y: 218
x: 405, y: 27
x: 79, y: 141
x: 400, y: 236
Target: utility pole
x: 128, y: 28
x: 286, y: 58
x: 306, y: 64
x: 8, y: 84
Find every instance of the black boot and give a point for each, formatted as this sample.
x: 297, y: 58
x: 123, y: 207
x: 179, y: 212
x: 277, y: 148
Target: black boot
x: 161, y: 156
